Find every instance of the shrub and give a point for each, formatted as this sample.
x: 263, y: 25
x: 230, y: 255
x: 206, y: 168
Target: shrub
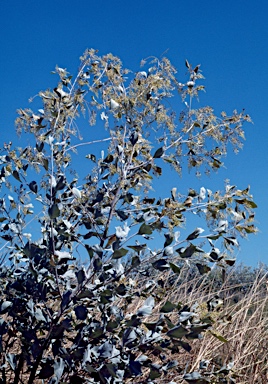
x: 79, y: 300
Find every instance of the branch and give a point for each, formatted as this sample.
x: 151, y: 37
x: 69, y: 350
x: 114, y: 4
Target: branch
x: 88, y: 143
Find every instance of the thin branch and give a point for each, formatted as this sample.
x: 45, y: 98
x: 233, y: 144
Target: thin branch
x: 88, y: 143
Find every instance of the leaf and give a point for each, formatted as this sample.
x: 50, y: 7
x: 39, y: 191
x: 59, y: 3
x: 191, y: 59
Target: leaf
x: 170, y: 365
x: 177, y: 332
x: 169, y: 239
x: 250, y: 229
x: 40, y: 147
x: 155, y: 371
x: 184, y: 316
x: 58, y: 367
x: 135, y: 261
x: 121, y: 290
x: 5, y: 305
x: 76, y: 193
x: 46, y: 371
x: 147, y: 307
x: 231, y: 241
x: 247, y: 203
x: 119, y: 253
x: 193, y: 377
x: 195, y: 234
x: 145, y: 230
x: 61, y: 183
x: 135, y: 368
x: 157, y: 170
x: 161, y: 265
x: 16, y: 175
x: 45, y: 164
x: 122, y: 232
x: 168, y: 307
x: 103, y: 116
x: 11, y: 358
x: 108, y: 159
x: 123, y: 216
x: 80, y: 275
x: 148, y: 200
x: 90, y: 234
x: 187, y: 64
x: 138, y: 248
x: 214, y: 237
x: 129, y: 336
x: 174, y: 268
x: 91, y: 157
x: 65, y: 299
x: 218, y: 336
x: 54, y: 211
x: 63, y: 255
x: 33, y: 186
x: 81, y: 312
x: 202, y: 193
x: 184, y: 345
x: 39, y: 315
x: 230, y: 262
x: 251, y: 204
x: 159, y: 152
x: 202, y: 268
x: 113, y: 104
x: 134, y: 138
x: 188, y: 251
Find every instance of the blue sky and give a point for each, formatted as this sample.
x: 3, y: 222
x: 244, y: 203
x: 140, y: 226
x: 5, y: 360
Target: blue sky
x: 228, y: 38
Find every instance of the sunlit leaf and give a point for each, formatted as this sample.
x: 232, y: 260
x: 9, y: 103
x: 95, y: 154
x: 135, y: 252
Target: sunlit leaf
x: 76, y: 193
x: 247, y: 203
x: 218, y: 336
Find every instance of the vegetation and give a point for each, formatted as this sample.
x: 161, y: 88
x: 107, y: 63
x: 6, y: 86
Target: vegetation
x: 104, y: 288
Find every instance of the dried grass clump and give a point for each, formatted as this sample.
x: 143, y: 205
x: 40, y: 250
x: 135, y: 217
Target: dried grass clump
x: 239, y: 337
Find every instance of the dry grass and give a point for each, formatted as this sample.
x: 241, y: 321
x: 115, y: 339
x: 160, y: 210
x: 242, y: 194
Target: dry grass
x: 243, y: 321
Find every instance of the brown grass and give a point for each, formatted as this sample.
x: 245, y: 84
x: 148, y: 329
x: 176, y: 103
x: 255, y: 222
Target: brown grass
x: 243, y: 321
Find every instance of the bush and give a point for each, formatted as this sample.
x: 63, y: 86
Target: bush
x: 79, y: 299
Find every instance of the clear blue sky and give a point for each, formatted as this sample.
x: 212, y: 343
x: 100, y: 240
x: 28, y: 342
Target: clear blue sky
x: 228, y: 38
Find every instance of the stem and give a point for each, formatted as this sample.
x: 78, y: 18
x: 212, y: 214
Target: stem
x: 51, y: 203
x: 18, y: 369
x: 88, y: 143
x: 114, y: 202
x: 38, y: 359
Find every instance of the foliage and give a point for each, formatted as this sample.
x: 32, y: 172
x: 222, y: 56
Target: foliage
x: 66, y: 319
